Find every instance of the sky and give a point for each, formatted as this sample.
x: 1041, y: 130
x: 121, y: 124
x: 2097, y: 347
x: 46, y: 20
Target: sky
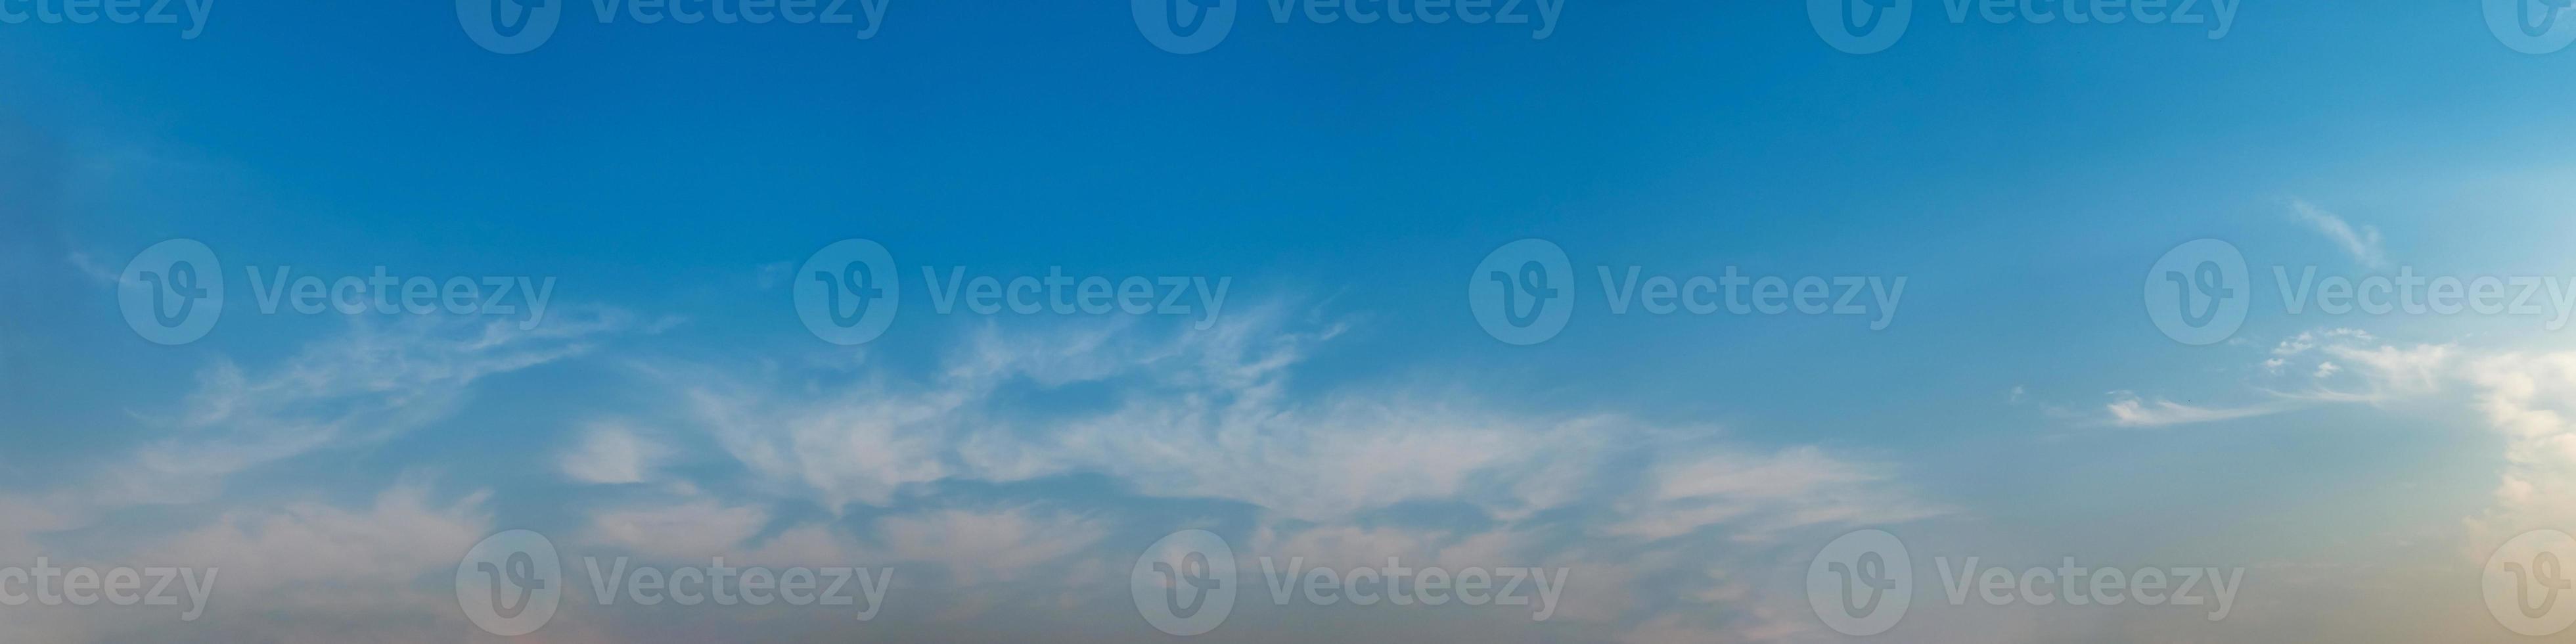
x: 1233, y: 321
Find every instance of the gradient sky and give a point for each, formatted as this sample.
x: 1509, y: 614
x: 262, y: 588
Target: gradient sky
x: 1345, y: 405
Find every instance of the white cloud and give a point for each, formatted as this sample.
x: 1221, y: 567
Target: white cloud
x: 1211, y: 419
x: 1669, y: 629
x: 2362, y: 242
x: 2128, y: 410
x: 28, y: 516
x: 1350, y: 546
x: 93, y: 269
x: 2388, y: 372
x: 309, y: 555
x: 2527, y: 398
x: 302, y: 572
x: 2393, y: 371
x: 981, y: 545
x: 377, y: 381
x: 612, y: 453
x: 1213, y: 416
x: 1196, y: 415
x: 689, y: 525
x: 1793, y: 488
x: 2307, y: 341
x: 695, y: 527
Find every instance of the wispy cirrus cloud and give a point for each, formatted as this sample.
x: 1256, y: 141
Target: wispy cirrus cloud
x: 376, y: 381
x: 1181, y: 416
x: 2350, y: 366
x: 2361, y: 242
x: 2129, y: 410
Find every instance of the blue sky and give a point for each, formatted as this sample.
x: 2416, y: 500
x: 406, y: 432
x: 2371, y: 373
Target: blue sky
x: 672, y: 183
